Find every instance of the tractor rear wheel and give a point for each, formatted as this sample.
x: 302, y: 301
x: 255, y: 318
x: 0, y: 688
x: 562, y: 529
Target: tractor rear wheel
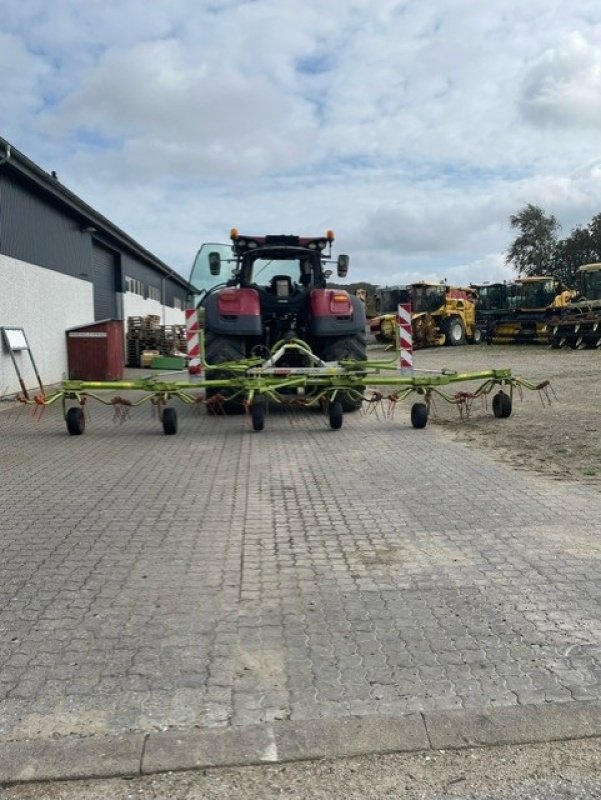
x: 218, y: 350
x: 342, y: 348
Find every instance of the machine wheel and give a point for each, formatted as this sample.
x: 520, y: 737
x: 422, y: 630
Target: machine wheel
x: 169, y: 420
x: 501, y: 405
x: 335, y: 414
x: 339, y: 349
x: 219, y: 349
x: 477, y: 336
x: 419, y: 415
x: 257, y: 413
x: 76, y: 421
x: 454, y: 331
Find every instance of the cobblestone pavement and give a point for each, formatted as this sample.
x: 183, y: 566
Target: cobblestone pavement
x: 224, y: 577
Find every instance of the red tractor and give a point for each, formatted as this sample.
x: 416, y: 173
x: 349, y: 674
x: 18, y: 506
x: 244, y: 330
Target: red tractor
x: 275, y: 292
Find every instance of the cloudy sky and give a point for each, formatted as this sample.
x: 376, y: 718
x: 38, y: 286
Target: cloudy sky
x: 413, y: 129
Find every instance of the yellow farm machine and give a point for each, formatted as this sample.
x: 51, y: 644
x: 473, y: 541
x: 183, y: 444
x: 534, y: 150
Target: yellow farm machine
x: 530, y: 303
x: 577, y: 323
x: 440, y: 314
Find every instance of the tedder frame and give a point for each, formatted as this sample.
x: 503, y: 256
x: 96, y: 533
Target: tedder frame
x: 256, y: 382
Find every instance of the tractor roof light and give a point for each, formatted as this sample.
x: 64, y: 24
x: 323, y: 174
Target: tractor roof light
x: 234, y: 233
x: 330, y: 235
x: 321, y: 244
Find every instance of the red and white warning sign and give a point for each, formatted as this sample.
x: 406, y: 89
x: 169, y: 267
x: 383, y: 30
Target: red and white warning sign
x: 193, y: 340
x: 405, y: 337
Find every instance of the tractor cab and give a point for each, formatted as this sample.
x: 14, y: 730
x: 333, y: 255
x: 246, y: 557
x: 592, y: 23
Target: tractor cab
x: 536, y: 293
x: 427, y: 297
x: 276, y: 266
x: 590, y: 281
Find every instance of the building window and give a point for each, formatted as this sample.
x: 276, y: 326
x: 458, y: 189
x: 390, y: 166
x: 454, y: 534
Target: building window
x: 134, y: 286
x: 177, y: 303
x: 154, y: 293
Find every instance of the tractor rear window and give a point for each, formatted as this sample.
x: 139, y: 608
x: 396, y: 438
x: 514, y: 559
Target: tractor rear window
x: 264, y: 269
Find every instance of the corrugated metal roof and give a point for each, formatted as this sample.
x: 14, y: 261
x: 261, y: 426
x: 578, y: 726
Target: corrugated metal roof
x: 50, y: 185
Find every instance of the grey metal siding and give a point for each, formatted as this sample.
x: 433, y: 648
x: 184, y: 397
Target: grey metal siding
x: 105, y: 269
x: 173, y: 290
x: 35, y: 231
x: 36, y: 227
x: 133, y: 268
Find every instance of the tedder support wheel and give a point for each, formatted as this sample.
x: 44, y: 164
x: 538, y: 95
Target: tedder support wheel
x: 419, y: 415
x: 335, y: 414
x: 257, y: 414
x: 169, y: 420
x: 76, y: 421
x: 501, y: 405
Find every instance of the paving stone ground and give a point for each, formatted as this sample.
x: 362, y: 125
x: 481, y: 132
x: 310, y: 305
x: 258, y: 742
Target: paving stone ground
x: 223, y: 577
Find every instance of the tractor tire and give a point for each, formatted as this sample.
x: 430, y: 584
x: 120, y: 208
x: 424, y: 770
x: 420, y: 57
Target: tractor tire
x: 454, y: 331
x: 218, y: 350
x: 341, y: 348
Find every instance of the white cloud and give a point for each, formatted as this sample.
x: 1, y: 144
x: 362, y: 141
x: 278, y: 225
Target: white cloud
x: 413, y: 129
x: 563, y: 87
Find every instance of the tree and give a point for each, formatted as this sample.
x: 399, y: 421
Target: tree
x: 573, y: 251
x: 582, y: 246
x: 533, y: 251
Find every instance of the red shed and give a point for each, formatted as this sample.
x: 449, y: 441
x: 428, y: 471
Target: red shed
x: 96, y: 352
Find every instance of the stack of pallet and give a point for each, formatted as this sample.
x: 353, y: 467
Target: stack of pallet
x: 147, y: 335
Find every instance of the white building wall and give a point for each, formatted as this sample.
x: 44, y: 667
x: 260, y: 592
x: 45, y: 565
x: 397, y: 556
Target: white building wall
x: 44, y: 303
x: 136, y: 306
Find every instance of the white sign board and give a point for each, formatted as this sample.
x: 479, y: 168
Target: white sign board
x: 15, y: 338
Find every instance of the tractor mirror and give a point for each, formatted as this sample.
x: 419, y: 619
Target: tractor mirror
x: 343, y: 262
x: 215, y: 263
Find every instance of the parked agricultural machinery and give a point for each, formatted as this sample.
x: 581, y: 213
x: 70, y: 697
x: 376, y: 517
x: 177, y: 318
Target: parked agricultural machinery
x: 577, y: 324
x: 494, y: 302
x: 440, y: 314
x: 272, y: 332
x: 530, y: 303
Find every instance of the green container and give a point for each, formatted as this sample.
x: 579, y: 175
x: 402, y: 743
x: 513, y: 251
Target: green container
x: 168, y: 362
